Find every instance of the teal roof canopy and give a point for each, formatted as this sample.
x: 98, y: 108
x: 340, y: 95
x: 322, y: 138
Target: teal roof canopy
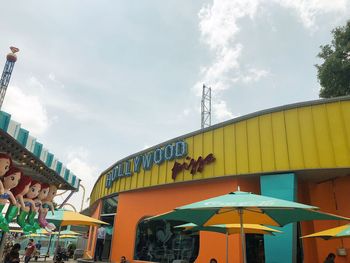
x: 32, y: 157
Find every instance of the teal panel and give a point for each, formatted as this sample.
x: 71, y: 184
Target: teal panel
x: 66, y: 174
x: 22, y: 137
x: 281, y: 247
x: 4, y: 120
x: 58, y: 167
x: 73, y: 180
x: 38, y: 147
x: 49, y: 159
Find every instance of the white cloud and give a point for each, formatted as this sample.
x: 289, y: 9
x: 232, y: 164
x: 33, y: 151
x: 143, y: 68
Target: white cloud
x: 218, y: 22
x: 254, y: 75
x: 218, y: 25
x: 308, y: 10
x: 27, y: 109
x: 221, y: 111
x: 52, y: 77
x: 87, y: 172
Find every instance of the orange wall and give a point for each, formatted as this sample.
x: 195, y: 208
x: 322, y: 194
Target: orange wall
x: 133, y: 206
x: 332, y: 197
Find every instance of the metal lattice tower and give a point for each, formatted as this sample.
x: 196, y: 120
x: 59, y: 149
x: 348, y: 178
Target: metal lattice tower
x: 11, y: 59
x: 206, y: 107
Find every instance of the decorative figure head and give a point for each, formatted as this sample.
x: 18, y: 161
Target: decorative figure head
x: 5, y: 163
x: 34, y: 190
x: 44, y: 191
x: 11, y: 178
x: 23, y: 186
x: 52, y: 193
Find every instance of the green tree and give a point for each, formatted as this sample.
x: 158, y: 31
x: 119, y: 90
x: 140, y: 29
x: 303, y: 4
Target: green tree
x: 334, y: 73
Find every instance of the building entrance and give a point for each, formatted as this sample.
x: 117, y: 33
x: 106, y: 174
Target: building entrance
x: 108, y: 212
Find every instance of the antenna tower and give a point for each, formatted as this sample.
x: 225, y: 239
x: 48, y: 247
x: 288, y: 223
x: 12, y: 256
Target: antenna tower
x: 11, y: 59
x: 206, y: 107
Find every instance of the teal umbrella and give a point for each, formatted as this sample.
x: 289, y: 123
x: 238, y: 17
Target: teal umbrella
x: 243, y: 207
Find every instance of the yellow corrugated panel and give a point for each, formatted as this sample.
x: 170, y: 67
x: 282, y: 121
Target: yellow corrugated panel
x: 208, y: 170
x: 308, y: 139
x: 242, y: 148
x: 116, y: 186
x: 140, y: 177
x: 266, y: 143
x: 121, y: 184
x: 198, y: 151
x: 254, y: 151
x: 133, y: 184
x: 280, y: 141
x: 103, y: 184
x: 155, y: 175
x: 323, y: 137
x: 147, y: 177
x: 128, y: 182
x: 230, y: 150
x: 294, y: 144
x: 187, y: 173
x: 345, y: 106
x: 162, y: 173
x: 100, y: 187
x: 218, y: 151
x: 338, y: 137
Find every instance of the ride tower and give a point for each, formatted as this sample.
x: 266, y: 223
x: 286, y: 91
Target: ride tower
x: 206, y: 107
x: 11, y: 59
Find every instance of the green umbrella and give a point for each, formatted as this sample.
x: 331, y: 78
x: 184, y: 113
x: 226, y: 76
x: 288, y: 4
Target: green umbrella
x: 243, y: 207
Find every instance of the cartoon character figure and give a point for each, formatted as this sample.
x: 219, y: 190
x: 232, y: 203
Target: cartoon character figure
x: 38, y: 203
x: 32, y: 194
x: 46, y: 205
x: 10, y: 180
x: 18, y: 192
x: 5, y: 164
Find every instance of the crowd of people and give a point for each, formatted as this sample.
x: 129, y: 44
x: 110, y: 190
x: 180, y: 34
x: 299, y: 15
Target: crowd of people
x: 12, y: 254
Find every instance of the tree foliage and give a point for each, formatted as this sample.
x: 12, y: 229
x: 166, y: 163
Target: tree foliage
x: 334, y: 72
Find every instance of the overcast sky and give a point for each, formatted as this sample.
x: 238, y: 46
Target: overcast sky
x: 96, y: 81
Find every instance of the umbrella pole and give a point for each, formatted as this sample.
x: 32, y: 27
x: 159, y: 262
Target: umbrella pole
x: 48, y: 247
x: 58, y: 242
x: 226, y: 247
x: 240, y: 211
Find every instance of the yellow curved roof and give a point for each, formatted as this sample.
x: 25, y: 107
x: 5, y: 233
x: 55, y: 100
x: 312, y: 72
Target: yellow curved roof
x: 308, y: 138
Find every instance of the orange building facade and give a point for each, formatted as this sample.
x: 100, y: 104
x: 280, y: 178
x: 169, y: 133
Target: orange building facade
x: 300, y: 150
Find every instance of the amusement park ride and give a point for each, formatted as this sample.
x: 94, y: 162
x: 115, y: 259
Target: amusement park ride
x: 11, y: 59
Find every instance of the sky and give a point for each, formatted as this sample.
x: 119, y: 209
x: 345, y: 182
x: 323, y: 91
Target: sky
x: 96, y: 81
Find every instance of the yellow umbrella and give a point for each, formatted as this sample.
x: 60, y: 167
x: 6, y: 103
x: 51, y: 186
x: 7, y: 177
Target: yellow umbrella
x: 65, y: 218
x: 336, y: 232
x: 230, y: 229
x: 68, y: 236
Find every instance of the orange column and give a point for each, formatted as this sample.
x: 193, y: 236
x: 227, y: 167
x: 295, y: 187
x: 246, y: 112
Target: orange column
x: 91, y: 244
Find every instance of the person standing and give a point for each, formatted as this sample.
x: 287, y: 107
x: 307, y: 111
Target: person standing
x: 13, y: 255
x: 30, y: 249
x: 101, y: 236
x: 330, y: 258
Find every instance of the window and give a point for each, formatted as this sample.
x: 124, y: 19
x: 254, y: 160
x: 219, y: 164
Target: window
x: 159, y: 241
x: 109, y: 205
